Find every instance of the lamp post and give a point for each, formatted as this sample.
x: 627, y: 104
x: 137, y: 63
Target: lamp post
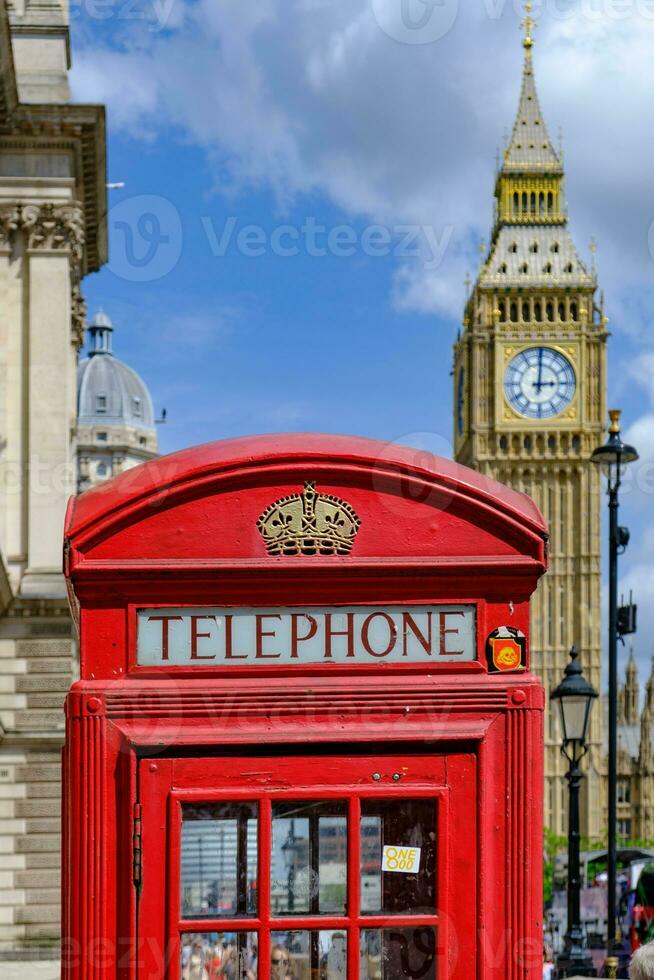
x: 612, y: 457
x: 575, y: 697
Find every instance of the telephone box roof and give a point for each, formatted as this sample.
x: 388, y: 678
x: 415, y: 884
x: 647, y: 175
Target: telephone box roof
x: 161, y: 479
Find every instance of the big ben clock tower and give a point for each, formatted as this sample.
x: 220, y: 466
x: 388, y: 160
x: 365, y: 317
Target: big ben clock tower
x: 530, y: 382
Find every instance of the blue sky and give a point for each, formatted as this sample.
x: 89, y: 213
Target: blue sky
x: 371, y: 158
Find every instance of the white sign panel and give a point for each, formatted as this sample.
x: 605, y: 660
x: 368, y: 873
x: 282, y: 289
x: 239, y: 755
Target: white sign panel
x: 215, y: 637
x: 401, y: 860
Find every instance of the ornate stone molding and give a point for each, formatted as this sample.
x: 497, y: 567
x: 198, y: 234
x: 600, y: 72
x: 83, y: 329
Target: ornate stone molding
x: 56, y: 227
x: 9, y: 223
x: 52, y: 227
x: 78, y: 314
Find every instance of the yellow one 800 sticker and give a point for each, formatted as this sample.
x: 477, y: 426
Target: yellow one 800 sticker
x: 403, y: 860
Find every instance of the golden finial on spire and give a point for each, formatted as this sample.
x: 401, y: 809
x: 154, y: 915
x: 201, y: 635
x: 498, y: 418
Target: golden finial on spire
x: 528, y: 25
x: 593, y: 251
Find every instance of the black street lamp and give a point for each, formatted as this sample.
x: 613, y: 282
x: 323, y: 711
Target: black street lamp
x: 575, y: 697
x: 612, y: 457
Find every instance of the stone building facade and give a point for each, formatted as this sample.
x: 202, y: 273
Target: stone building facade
x: 530, y: 406
x: 52, y: 233
x: 635, y: 759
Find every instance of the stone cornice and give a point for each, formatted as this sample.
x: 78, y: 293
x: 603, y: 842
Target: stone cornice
x: 82, y: 127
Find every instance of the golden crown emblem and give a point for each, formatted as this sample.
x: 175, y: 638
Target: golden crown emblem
x: 309, y: 523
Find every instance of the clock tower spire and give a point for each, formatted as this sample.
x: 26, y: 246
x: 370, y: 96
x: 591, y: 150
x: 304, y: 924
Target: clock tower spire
x: 530, y: 403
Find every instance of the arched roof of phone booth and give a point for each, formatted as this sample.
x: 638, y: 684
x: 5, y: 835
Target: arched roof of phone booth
x: 202, y: 505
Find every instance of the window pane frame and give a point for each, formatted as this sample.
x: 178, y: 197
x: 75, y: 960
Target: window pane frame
x: 265, y: 923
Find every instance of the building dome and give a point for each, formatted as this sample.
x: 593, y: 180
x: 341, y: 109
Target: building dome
x: 108, y: 391
x: 116, y: 427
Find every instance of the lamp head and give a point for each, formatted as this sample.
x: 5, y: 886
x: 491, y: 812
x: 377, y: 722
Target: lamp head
x: 575, y: 696
x: 614, y: 452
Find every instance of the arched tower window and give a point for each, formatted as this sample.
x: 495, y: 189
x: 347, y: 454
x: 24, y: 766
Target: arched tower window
x: 514, y: 312
x: 533, y: 203
x: 526, y: 313
x: 538, y: 311
x: 561, y: 311
x: 574, y: 312
x: 550, y: 203
x: 502, y: 308
x: 525, y: 202
x: 550, y: 312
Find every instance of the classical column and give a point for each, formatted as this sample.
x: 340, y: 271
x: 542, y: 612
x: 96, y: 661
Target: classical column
x: 13, y: 458
x: 54, y: 239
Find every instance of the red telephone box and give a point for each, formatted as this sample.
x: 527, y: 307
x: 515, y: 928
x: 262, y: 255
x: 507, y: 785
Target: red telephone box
x: 305, y: 742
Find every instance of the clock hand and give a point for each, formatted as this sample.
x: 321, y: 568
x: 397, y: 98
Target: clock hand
x: 539, y: 383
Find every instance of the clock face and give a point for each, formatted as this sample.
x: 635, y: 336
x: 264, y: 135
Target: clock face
x: 540, y: 383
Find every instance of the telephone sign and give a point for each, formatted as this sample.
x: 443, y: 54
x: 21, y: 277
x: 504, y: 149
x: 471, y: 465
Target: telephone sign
x: 328, y: 635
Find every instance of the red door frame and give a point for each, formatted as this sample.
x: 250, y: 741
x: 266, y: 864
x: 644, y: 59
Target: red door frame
x: 450, y: 779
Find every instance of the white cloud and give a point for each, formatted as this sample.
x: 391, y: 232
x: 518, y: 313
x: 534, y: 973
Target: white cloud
x: 305, y: 95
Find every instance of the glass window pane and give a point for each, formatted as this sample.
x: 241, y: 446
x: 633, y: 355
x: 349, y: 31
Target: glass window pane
x: 228, y: 955
x: 407, y: 830
x: 305, y: 955
x: 219, y: 860
x: 393, y: 954
x: 309, y: 858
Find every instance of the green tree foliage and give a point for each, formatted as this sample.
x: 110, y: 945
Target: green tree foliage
x: 553, y: 845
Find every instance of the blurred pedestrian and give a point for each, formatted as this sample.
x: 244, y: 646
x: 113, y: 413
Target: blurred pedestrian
x: 281, y: 967
x: 195, y: 969
x: 642, y: 963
